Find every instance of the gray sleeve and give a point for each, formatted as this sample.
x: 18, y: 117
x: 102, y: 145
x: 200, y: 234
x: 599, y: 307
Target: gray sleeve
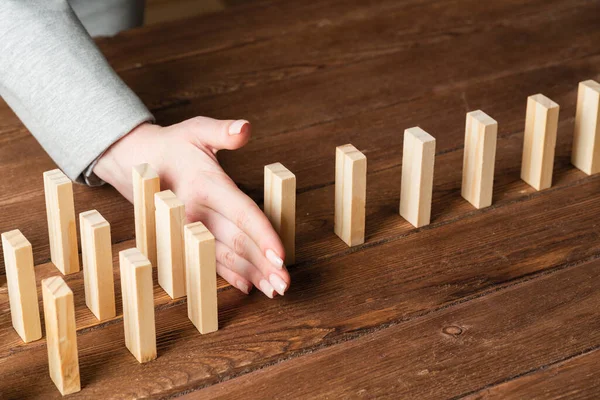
x: 60, y: 85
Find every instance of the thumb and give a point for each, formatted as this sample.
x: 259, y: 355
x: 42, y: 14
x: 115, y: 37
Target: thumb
x: 219, y: 134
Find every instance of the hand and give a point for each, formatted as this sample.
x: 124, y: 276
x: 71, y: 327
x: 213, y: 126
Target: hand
x: 249, y: 251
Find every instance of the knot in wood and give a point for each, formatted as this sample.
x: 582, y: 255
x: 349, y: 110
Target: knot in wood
x: 452, y: 330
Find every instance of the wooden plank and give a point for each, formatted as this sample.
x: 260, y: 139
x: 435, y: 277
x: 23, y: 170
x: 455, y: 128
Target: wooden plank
x: 138, y: 304
x: 170, y: 248
x: 350, y: 194
x: 61, y: 336
x: 541, y: 124
x: 479, y: 158
x: 22, y: 292
x: 418, y: 157
x: 146, y: 184
x: 60, y: 211
x: 574, y: 378
x: 586, y: 141
x: 450, y: 352
x: 201, y: 270
x: 96, y: 253
x: 280, y: 206
x: 520, y: 241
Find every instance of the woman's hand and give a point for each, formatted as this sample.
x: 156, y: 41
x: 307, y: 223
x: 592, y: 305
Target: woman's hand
x: 249, y: 251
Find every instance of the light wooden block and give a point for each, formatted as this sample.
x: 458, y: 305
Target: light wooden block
x: 146, y: 183
x: 479, y: 159
x: 541, y: 124
x: 350, y: 194
x: 170, y: 249
x: 280, y: 206
x: 418, y: 159
x: 96, y: 254
x: 586, y: 141
x: 201, y: 274
x: 22, y: 291
x: 138, y: 304
x: 62, y: 232
x: 61, y: 335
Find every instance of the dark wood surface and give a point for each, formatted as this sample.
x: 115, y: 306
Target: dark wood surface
x: 495, y: 303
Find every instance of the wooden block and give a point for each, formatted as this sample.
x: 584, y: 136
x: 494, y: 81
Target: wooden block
x: 350, y: 194
x: 416, y: 189
x: 145, y: 184
x: 479, y: 159
x: 96, y: 254
x: 280, y: 206
x: 22, y: 291
x: 62, y: 232
x: 541, y: 123
x: 586, y: 141
x: 170, y: 219
x: 61, y: 335
x: 201, y: 274
x: 138, y: 304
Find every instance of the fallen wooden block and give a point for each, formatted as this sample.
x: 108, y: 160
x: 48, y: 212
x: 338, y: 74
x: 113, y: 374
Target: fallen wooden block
x: 201, y: 274
x: 479, y: 159
x: 96, y: 254
x: 350, y: 194
x: 22, y: 291
x: 61, y: 335
x: 541, y: 123
x: 418, y: 159
x: 170, y: 219
x: 62, y: 232
x: 138, y: 304
x: 586, y: 141
x: 280, y: 206
x: 145, y: 184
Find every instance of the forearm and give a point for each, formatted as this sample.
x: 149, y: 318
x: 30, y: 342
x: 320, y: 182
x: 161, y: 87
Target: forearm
x: 59, y: 84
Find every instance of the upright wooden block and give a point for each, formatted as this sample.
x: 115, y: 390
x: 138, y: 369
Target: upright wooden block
x: 61, y: 335
x: 201, y: 274
x: 280, y: 206
x: 479, y: 159
x: 350, y: 194
x: 170, y: 219
x: 145, y: 184
x: 62, y: 232
x: 418, y: 159
x: 96, y: 253
x: 541, y: 123
x: 138, y: 304
x: 586, y: 141
x: 22, y: 291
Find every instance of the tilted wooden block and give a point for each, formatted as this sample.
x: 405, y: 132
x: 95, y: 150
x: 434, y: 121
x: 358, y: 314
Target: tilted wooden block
x: 201, y: 274
x: 541, y: 123
x: 350, y: 194
x: 145, y: 184
x: 170, y: 249
x: 418, y: 159
x: 22, y: 291
x: 586, y: 141
x: 138, y: 304
x: 61, y: 335
x: 479, y: 159
x: 62, y: 232
x: 280, y: 206
x: 96, y: 254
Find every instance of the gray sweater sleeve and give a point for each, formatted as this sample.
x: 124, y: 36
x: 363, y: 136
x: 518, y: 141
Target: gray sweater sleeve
x: 60, y: 85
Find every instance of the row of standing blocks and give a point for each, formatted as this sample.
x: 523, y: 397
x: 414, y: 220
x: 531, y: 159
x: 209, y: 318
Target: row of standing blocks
x: 185, y: 254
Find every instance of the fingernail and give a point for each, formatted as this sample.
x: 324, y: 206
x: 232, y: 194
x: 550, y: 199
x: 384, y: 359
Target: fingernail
x: 237, y: 126
x: 242, y: 286
x: 267, y: 288
x: 278, y: 283
x: 274, y: 259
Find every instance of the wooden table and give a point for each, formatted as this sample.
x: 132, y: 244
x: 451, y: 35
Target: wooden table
x: 495, y: 303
